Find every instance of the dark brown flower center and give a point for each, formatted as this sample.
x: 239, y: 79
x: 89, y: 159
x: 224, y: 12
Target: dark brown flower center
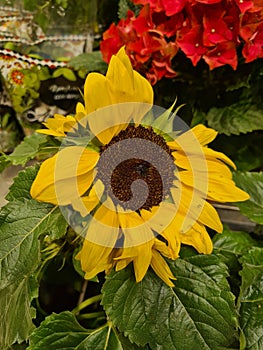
x: 136, y: 168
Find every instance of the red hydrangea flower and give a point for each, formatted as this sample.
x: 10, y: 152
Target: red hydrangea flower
x: 211, y: 30
x: 224, y: 53
x: 191, y: 43
x: 251, y: 32
x: 145, y: 44
x: 254, y: 42
x: 244, y: 5
x: 216, y: 29
x: 170, y: 7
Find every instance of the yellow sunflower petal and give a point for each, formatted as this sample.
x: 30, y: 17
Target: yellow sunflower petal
x: 121, y: 264
x: 104, y: 226
x: 211, y: 154
x: 193, y: 207
x: 160, y: 216
x: 120, y: 77
x: 60, y: 192
x: 84, y: 205
x: 171, y: 234
x: 198, y: 237
x: 58, y: 125
x: 192, y: 141
x: 121, y: 84
x: 97, y: 92
x: 141, y: 257
x: 100, y: 125
x: 163, y: 248
x: 129, y: 84
x: 80, y: 108
x: 209, y: 217
x: 199, y: 134
x: 201, y: 164
x: 95, y: 258
x: 161, y: 268
x: 190, y: 205
x: 65, y: 176
x: 143, y: 260
x: 122, y: 89
x: 51, y: 132
x: 203, y: 134
x: 135, y: 229
x: 75, y: 160
x: 220, y: 188
x: 163, y: 222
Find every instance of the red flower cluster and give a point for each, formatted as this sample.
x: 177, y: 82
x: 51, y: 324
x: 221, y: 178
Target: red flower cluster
x: 208, y: 29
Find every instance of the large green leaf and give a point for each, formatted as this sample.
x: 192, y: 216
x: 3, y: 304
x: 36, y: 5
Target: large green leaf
x: 58, y: 331
x: 252, y: 183
x: 252, y: 276
x: 16, y: 312
x: 21, y: 224
x: 251, y: 299
x: 251, y: 321
x: 27, y: 149
x: 22, y: 221
x: 229, y: 246
x: 55, y: 224
x: 234, y: 242
x: 198, y: 313
x: 62, y: 331
x: 240, y: 117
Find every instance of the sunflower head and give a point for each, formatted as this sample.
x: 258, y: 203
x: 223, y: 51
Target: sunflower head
x: 142, y: 183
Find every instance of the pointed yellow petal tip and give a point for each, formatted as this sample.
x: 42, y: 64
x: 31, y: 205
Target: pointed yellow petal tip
x: 80, y: 108
x: 203, y: 134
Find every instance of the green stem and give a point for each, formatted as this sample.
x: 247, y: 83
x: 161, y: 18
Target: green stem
x: 91, y: 315
x: 47, y: 3
x: 86, y: 303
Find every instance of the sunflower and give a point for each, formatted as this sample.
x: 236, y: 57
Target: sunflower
x: 141, y: 189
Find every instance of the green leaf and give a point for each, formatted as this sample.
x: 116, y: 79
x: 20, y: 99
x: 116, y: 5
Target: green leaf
x: 251, y: 299
x: 27, y: 149
x: 198, y: 313
x: 128, y: 345
x: 101, y: 339
x: 252, y: 276
x: 229, y: 246
x: 240, y: 117
x: 234, y: 242
x: 89, y: 62
x: 65, y: 72
x: 20, y: 189
x: 124, y: 6
x: 252, y: 183
x: 251, y: 322
x: 62, y: 331
x: 21, y: 224
x: 16, y: 312
x: 58, y: 331
x: 249, y: 156
x: 4, y: 163
x: 55, y: 225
